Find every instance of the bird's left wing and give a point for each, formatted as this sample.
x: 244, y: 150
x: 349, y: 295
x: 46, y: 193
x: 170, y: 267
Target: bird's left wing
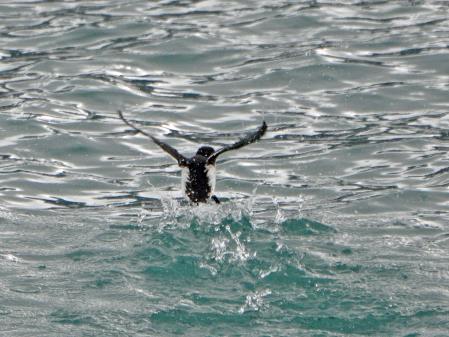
x: 182, y: 161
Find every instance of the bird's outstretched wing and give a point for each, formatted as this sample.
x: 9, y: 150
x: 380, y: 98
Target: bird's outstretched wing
x: 182, y: 161
x: 250, y: 138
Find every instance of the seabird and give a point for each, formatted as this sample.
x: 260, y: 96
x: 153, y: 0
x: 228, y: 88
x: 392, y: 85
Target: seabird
x: 198, y: 172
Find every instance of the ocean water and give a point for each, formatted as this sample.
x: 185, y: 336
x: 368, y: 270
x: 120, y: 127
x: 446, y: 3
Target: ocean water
x: 335, y: 224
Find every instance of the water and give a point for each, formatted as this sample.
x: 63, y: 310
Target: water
x: 335, y: 224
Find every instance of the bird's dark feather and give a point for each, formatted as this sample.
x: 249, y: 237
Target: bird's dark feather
x: 250, y: 138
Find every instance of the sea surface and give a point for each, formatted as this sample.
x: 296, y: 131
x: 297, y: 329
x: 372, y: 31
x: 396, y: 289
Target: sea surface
x: 336, y: 223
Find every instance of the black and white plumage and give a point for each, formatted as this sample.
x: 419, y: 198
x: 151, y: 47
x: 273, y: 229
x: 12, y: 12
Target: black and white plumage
x: 198, y: 172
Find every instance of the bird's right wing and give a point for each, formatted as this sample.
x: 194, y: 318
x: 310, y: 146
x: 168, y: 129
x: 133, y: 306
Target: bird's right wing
x: 250, y: 138
x: 182, y: 161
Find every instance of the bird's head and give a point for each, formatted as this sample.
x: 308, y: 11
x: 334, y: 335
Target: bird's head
x: 205, y: 151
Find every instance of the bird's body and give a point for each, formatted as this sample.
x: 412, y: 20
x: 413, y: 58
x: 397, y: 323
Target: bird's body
x: 198, y: 172
x: 198, y: 179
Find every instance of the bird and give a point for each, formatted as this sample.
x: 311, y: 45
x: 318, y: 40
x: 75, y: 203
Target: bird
x: 198, y: 172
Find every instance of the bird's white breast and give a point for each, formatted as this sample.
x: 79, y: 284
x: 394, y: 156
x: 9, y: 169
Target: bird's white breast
x: 210, y: 171
x: 185, y: 177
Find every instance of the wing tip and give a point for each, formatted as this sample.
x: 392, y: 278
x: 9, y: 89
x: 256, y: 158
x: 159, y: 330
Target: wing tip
x: 120, y: 115
x: 264, y: 127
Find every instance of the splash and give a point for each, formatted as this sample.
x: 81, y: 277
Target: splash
x: 183, y: 214
x: 255, y: 301
x: 241, y: 252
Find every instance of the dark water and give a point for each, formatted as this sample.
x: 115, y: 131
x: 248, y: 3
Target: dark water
x: 335, y: 224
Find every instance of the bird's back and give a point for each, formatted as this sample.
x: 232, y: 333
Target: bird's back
x: 198, y: 179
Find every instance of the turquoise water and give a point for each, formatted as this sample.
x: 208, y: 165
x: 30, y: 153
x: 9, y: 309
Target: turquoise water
x: 335, y: 224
